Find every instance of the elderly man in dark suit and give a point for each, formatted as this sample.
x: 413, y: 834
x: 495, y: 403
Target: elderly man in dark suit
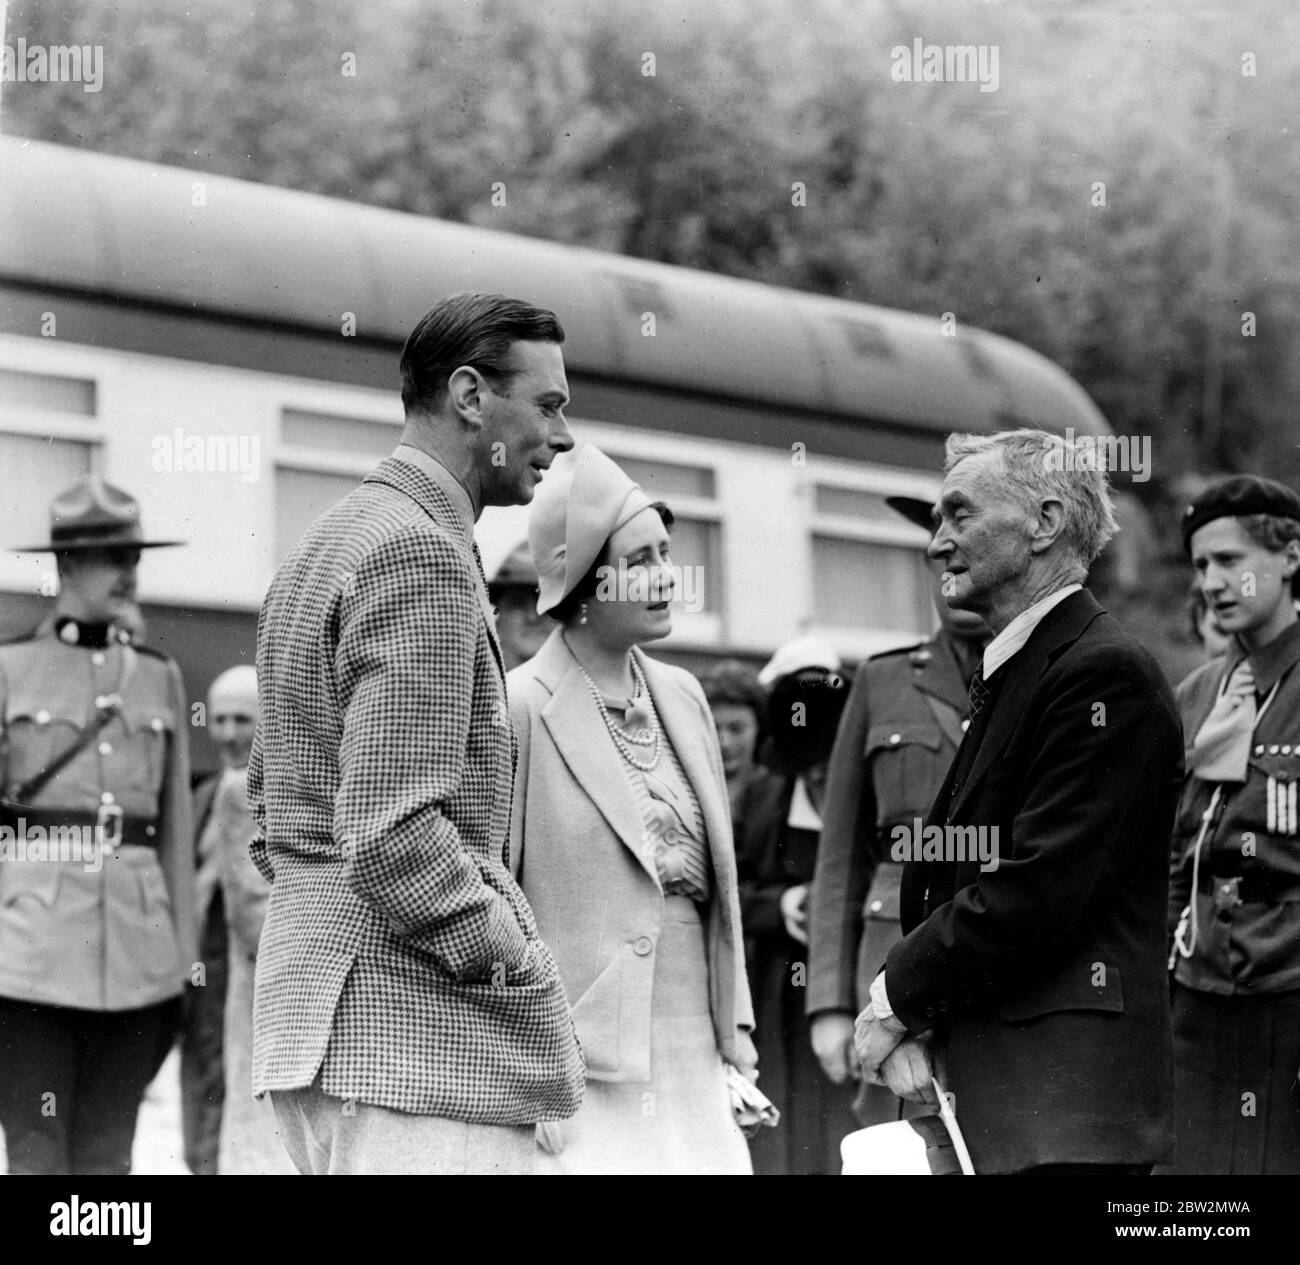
x: 1034, y: 893
x: 407, y: 1016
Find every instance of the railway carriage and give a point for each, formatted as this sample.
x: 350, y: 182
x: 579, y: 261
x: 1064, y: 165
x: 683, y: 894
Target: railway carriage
x: 227, y: 351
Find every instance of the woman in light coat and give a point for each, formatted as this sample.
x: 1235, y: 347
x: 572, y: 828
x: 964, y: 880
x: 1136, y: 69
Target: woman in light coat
x: 621, y: 839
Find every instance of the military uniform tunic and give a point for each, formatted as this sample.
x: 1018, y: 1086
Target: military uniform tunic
x: 900, y: 731
x: 111, y: 930
x: 1236, y: 1001
x: 1248, y: 906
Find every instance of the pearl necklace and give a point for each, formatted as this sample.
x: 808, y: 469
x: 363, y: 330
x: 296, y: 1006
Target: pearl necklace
x: 651, y: 737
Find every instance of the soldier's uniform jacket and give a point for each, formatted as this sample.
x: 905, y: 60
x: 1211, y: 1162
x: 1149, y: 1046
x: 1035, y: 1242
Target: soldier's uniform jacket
x: 1248, y: 906
x: 112, y: 930
x: 900, y: 730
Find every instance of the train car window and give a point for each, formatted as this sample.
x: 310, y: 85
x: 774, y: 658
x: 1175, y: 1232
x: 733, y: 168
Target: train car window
x: 977, y: 359
x: 301, y: 497
x: 866, y: 338
x: 47, y: 392
x: 664, y: 480
x: 36, y: 467
x: 643, y: 295
x: 334, y: 433
x: 870, y: 585
x: 853, y: 503
x: 691, y: 492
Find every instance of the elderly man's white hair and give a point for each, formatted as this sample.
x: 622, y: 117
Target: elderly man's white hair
x: 1041, y: 466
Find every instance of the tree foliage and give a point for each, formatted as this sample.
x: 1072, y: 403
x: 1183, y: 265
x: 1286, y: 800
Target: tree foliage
x: 676, y: 131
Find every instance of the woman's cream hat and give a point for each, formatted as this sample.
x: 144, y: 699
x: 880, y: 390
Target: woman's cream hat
x: 582, y: 502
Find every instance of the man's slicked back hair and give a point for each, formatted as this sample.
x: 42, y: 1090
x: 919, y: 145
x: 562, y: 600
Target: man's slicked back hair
x: 468, y: 329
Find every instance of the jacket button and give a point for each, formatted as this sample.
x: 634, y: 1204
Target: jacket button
x: 1273, y: 749
x: 895, y: 739
x: 105, y: 748
x: 1259, y: 749
x: 877, y: 906
x: 42, y: 717
x: 642, y: 946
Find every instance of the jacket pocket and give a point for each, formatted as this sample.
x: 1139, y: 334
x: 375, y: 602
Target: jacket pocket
x: 597, y: 1017
x: 150, y: 729
x: 1087, y: 984
x: 881, y: 904
x: 29, y: 884
x: 142, y: 951
x: 906, y: 763
x: 38, y: 734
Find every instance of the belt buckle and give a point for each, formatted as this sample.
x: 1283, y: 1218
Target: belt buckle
x: 108, y: 826
x: 1227, y: 893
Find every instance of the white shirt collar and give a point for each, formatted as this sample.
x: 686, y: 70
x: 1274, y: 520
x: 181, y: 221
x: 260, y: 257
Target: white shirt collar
x: 802, y: 814
x: 1020, y: 629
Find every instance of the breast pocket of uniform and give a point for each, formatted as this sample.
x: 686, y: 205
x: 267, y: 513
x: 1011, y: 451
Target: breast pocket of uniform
x: 38, y: 732
x: 906, y: 763
x: 150, y: 730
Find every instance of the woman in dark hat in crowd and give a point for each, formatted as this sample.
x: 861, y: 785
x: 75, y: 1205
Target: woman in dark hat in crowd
x: 777, y: 832
x: 1235, y: 890
x: 621, y: 841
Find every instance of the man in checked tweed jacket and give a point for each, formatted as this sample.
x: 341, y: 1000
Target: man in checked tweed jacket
x: 407, y: 1016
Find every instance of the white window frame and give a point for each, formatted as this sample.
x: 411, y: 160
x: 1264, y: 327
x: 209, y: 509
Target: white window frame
x: 857, y: 643
x: 696, y: 629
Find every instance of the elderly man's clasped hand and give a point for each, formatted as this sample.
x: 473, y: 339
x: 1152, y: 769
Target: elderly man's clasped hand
x: 891, y: 1058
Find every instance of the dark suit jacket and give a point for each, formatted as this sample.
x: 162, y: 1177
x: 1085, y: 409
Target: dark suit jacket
x: 1045, y: 978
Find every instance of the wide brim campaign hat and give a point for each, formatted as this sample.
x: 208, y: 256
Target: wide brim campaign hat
x: 92, y: 514
x: 581, y: 503
x: 1236, y: 497
x: 913, y: 508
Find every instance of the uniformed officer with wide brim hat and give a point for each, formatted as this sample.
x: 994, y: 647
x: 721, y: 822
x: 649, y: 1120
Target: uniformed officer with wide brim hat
x: 96, y: 875
x: 92, y: 514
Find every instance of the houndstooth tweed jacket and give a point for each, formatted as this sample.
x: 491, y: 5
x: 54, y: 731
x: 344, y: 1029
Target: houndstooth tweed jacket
x: 399, y: 959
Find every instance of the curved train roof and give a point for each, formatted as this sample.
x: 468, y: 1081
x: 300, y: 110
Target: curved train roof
x: 93, y: 223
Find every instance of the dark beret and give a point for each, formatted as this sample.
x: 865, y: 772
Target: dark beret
x: 1235, y: 497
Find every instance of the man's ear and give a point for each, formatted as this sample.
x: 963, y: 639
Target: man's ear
x: 465, y: 389
x: 1050, y: 524
x: 1291, y: 558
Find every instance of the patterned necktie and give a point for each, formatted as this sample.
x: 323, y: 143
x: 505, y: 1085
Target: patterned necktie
x: 979, y: 693
x: 979, y: 698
